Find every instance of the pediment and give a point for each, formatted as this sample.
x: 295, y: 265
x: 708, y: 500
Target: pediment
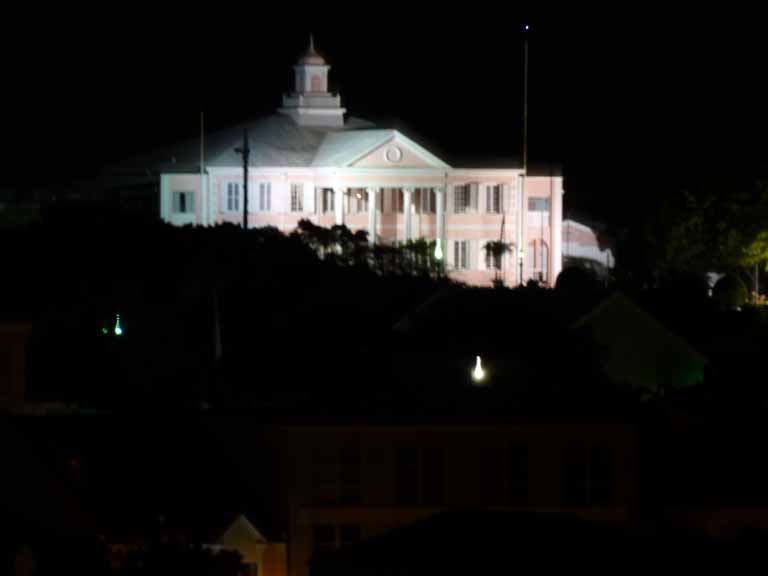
x: 398, y: 152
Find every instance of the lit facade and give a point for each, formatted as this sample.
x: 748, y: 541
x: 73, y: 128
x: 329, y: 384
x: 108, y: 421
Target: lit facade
x: 309, y: 161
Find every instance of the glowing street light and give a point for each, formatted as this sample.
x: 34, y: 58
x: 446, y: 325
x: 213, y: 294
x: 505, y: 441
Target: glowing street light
x: 478, y: 374
x: 118, y: 328
x: 438, y: 249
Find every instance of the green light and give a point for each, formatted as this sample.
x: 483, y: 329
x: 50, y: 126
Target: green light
x: 438, y: 250
x: 104, y: 330
x: 118, y: 328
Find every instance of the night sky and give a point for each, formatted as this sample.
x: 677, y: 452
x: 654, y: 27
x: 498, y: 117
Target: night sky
x: 630, y: 103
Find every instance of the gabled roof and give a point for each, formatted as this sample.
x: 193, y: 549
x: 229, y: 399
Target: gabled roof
x: 343, y: 149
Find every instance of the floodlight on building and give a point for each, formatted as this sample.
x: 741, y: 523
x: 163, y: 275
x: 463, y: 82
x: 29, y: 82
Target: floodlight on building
x: 478, y: 374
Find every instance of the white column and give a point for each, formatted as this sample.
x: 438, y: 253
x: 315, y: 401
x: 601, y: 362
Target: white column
x: 407, y: 212
x: 556, y: 215
x: 338, y: 204
x: 521, y: 223
x: 372, y: 216
x: 440, y: 192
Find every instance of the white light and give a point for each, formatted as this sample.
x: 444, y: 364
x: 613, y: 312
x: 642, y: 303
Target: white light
x: 438, y: 250
x: 478, y: 374
x: 526, y: 27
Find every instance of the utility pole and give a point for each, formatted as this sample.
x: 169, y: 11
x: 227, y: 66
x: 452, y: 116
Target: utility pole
x: 245, y: 152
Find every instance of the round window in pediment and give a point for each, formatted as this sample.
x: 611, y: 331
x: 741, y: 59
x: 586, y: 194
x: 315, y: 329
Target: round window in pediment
x: 393, y: 154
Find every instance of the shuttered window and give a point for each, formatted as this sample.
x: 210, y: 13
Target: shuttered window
x: 297, y: 197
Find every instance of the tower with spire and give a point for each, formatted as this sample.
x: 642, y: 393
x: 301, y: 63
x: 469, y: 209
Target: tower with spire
x: 310, y: 104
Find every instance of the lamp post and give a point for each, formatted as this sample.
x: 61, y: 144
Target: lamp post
x: 245, y: 151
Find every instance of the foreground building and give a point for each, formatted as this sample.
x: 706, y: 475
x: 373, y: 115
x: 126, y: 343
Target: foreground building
x: 310, y: 161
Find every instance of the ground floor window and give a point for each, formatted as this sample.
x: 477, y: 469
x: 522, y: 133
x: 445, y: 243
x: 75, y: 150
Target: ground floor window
x: 461, y: 254
x: 297, y: 197
x: 183, y: 202
x: 232, y: 196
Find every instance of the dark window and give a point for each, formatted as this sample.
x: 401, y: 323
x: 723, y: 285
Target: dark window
x: 350, y: 473
x: 183, y: 202
x: 328, y: 199
x: 432, y: 477
x: 349, y: 534
x: 600, y: 479
x: 575, y: 476
x: 407, y: 475
x: 324, y: 477
x: 517, y: 475
x: 538, y: 204
x: 324, y: 537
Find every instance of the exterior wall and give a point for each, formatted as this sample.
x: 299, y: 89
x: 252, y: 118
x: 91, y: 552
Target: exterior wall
x: 181, y: 183
x: 477, y: 225
x: 361, y: 476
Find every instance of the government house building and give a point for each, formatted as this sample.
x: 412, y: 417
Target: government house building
x: 311, y: 161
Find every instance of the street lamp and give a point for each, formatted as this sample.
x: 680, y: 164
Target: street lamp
x: 478, y: 373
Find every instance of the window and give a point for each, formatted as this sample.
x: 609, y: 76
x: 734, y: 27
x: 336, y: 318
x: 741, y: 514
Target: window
x: 349, y: 473
x: 575, y: 476
x: 543, y: 262
x: 428, y: 200
x: 328, y: 205
x: 461, y: 255
x: 538, y: 204
x: 232, y: 198
x: 397, y: 200
x: 350, y: 534
x: 517, y: 475
x: 461, y: 197
x: 324, y: 537
x: 492, y: 261
x: 325, y: 476
x: 183, y: 202
x: 265, y: 196
x: 600, y: 477
x: 587, y: 475
x: 358, y: 198
x: 297, y: 197
x: 494, y: 199
x: 432, y: 477
x: 407, y: 475
x: 420, y: 476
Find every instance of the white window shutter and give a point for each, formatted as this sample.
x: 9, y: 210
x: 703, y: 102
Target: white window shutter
x: 506, y: 197
x: 481, y: 255
x: 309, y: 198
x: 473, y: 195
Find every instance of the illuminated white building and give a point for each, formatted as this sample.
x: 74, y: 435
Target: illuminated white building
x: 309, y: 161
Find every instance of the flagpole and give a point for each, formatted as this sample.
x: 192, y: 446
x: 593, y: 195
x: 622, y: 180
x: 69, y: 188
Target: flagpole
x: 520, y: 249
x: 203, y: 195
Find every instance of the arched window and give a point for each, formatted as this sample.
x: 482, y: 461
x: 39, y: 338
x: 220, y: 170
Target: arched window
x: 317, y: 83
x: 543, y: 262
x: 530, y: 260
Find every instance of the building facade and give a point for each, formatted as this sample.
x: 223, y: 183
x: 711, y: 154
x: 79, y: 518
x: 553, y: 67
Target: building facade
x: 340, y: 484
x: 309, y: 161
